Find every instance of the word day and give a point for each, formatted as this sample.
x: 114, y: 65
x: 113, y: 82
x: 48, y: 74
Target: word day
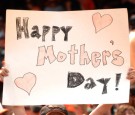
x: 76, y: 79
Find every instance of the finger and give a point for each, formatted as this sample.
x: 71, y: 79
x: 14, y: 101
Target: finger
x: 4, y: 64
x: 5, y: 69
x: 3, y: 72
x: 131, y: 76
x: 131, y: 68
x: 131, y: 73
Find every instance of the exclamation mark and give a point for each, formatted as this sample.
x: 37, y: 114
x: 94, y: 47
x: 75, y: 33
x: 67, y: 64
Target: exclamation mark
x: 118, y: 76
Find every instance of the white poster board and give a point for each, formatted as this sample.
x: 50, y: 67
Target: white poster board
x: 75, y: 57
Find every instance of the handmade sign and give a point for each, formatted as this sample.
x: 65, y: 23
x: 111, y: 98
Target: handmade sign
x: 75, y: 57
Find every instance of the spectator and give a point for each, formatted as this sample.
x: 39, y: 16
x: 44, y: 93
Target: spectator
x: 72, y: 5
x: 52, y: 5
x: 125, y: 109
x: 34, y: 5
x: 53, y: 110
x: 35, y: 109
x: 87, y: 4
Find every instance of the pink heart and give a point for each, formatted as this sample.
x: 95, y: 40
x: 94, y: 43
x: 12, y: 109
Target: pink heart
x: 100, y: 22
x: 27, y: 82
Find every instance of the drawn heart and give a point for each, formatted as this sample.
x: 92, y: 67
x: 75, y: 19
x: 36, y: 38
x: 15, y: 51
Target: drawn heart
x: 100, y: 22
x: 27, y: 82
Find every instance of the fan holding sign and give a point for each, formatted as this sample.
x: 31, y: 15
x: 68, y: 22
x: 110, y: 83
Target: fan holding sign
x: 58, y: 54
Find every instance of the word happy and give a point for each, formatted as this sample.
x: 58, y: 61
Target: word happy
x: 35, y: 28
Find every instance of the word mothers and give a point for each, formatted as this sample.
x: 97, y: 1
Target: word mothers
x: 35, y: 32
x: 84, y: 57
x: 76, y: 79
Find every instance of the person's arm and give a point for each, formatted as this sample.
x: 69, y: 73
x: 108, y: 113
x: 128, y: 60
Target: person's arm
x: 131, y: 73
x: 19, y: 110
x: 102, y: 109
x: 132, y: 52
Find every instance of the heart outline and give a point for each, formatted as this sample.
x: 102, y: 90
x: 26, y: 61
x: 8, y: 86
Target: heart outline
x: 18, y: 82
x: 99, y: 21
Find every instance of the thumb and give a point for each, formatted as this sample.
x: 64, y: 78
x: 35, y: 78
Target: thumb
x: 3, y: 63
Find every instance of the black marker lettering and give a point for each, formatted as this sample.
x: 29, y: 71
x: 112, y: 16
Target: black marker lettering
x: 36, y: 32
x: 46, y: 29
x: 104, y: 82
x: 23, y: 28
x: 55, y: 30
x: 90, y: 85
x: 66, y: 30
x: 74, y: 79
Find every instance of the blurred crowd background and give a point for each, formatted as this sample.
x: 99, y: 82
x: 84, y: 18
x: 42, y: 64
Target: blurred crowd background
x: 64, y: 5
